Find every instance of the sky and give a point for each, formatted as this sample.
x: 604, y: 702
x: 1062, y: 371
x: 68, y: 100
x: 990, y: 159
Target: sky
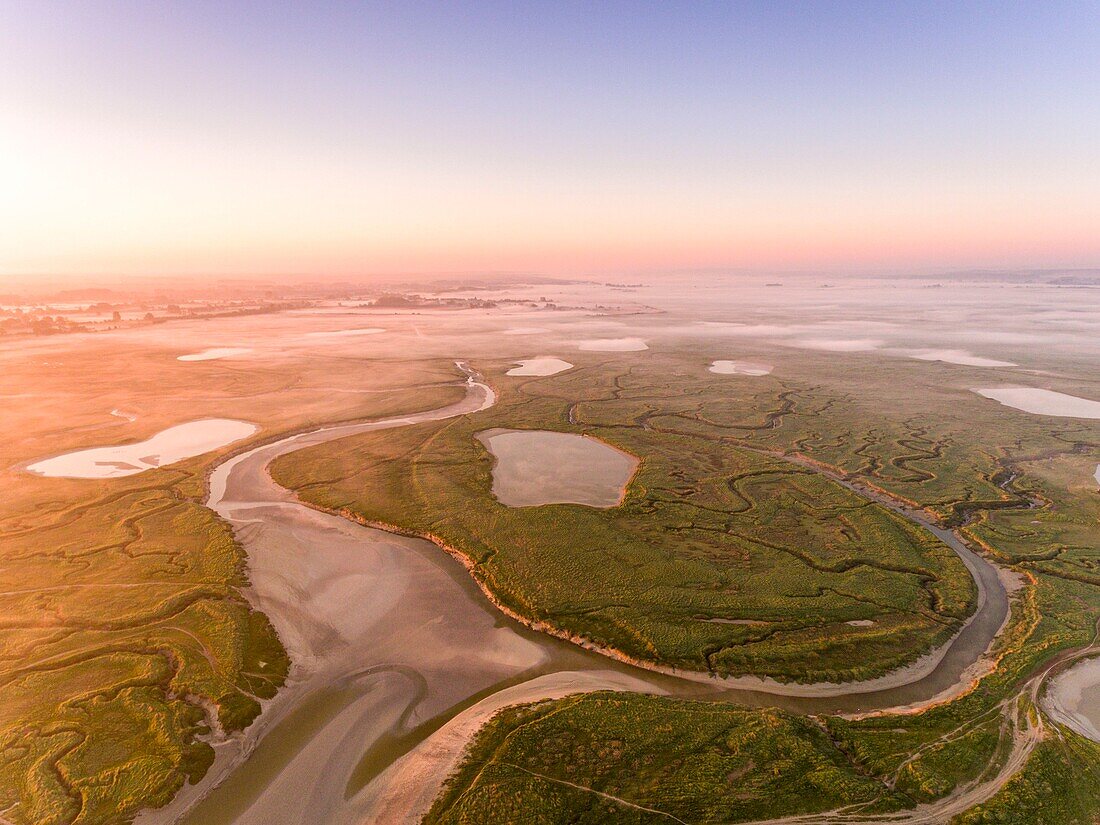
x: 345, y: 139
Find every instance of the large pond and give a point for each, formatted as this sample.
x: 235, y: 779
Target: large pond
x: 542, y: 365
x: 1043, y: 402
x: 166, y: 447
x: 536, y: 467
x: 1073, y: 698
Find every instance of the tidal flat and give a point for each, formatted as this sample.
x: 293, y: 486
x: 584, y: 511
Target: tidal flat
x: 736, y: 549
x: 919, y: 446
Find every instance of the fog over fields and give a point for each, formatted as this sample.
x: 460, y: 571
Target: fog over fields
x: 762, y: 526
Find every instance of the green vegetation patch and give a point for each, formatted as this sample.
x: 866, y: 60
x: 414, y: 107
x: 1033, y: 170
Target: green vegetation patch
x: 1061, y: 784
x: 125, y: 638
x: 610, y: 757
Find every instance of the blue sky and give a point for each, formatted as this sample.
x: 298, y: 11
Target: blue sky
x: 560, y: 136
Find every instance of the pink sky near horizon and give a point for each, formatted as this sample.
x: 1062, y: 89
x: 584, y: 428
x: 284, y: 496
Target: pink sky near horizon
x: 211, y: 139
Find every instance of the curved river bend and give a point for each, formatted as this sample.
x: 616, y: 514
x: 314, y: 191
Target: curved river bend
x: 397, y: 657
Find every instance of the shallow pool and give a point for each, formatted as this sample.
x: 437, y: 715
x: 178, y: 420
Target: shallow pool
x: 1043, y: 402
x: 536, y: 467
x: 541, y: 366
x: 166, y: 447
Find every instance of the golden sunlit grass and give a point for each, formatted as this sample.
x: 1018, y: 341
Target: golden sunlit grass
x: 124, y: 633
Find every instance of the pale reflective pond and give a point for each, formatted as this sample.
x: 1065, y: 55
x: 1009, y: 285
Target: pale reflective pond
x: 739, y: 368
x: 536, y: 467
x: 1043, y: 402
x: 166, y: 447
x: 541, y: 366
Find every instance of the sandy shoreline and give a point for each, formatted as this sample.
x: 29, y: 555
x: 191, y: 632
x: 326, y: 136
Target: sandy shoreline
x: 405, y: 791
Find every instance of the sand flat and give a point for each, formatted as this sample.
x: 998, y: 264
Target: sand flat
x: 535, y: 467
x: 166, y: 447
x: 541, y: 366
x: 405, y: 792
x: 1043, y: 402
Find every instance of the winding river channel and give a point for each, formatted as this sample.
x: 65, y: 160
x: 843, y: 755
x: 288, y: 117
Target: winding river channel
x: 398, y: 657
